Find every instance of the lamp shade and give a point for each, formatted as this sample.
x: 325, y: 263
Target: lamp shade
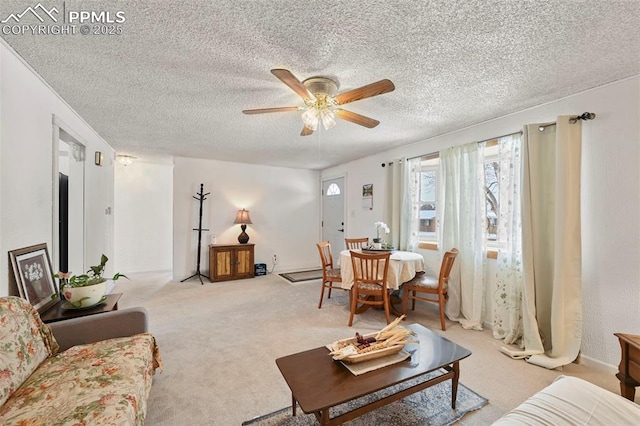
x: 243, y: 217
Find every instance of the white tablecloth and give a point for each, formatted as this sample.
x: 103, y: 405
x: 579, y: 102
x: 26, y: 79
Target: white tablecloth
x: 403, y: 266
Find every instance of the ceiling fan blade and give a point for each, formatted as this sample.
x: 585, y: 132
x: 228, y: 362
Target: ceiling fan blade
x: 306, y: 131
x: 265, y: 110
x: 373, y: 89
x: 290, y: 80
x: 356, y: 118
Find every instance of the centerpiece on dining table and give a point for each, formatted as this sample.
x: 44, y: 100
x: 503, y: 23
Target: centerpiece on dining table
x: 379, y: 241
x: 388, y: 341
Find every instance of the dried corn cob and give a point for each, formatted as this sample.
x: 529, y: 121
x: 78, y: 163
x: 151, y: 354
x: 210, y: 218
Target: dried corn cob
x: 391, y: 325
x: 394, y: 340
x: 374, y: 347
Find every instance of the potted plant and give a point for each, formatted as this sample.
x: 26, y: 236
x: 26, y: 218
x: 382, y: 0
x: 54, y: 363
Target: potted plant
x: 86, y: 290
x: 381, y: 227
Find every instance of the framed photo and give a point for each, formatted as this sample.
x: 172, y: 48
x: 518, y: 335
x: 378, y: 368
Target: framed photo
x: 34, y: 277
x: 367, y: 196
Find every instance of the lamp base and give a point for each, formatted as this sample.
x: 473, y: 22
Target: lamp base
x: 243, y: 238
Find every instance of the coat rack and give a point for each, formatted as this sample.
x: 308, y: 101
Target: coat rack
x: 201, y: 196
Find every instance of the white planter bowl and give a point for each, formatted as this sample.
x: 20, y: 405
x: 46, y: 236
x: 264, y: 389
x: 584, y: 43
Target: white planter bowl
x: 82, y: 297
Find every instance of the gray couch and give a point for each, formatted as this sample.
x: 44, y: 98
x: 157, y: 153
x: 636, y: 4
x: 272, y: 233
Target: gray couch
x: 94, y: 328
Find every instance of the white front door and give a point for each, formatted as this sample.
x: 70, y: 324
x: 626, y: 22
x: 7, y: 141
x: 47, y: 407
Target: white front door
x: 333, y: 214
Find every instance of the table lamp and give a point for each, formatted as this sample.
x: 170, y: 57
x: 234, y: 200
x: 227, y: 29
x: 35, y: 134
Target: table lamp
x: 243, y: 218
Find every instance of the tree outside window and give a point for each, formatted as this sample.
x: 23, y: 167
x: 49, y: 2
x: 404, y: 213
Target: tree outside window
x: 492, y: 195
x: 428, y: 199
x: 428, y: 203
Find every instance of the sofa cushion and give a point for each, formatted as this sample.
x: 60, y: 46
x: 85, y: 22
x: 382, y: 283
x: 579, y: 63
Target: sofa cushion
x: 25, y: 341
x: 103, y: 383
x: 573, y: 401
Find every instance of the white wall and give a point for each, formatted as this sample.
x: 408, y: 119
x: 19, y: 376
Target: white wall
x: 610, y: 202
x: 284, y: 205
x: 27, y: 107
x: 143, y: 216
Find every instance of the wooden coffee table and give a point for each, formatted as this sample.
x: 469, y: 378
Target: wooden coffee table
x: 318, y: 383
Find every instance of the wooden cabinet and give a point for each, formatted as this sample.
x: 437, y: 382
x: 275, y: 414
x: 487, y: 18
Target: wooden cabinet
x: 230, y: 262
x: 629, y: 368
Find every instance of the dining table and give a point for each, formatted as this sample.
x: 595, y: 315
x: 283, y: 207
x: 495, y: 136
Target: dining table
x: 403, y: 266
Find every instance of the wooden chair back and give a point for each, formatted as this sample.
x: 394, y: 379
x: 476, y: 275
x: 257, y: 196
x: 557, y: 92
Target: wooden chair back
x: 331, y: 277
x: 430, y: 287
x: 356, y: 243
x: 445, y: 268
x: 369, y: 288
x: 326, y: 257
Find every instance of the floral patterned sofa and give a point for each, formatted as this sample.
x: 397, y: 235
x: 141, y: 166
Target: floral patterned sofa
x: 106, y: 382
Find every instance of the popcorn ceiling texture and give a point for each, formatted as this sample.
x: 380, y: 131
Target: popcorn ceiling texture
x: 177, y: 78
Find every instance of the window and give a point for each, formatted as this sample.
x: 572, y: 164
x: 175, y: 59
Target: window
x: 492, y: 188
x: 333, y: 189
x: 428, y: 199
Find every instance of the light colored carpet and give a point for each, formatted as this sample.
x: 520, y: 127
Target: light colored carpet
x: 219, y: 343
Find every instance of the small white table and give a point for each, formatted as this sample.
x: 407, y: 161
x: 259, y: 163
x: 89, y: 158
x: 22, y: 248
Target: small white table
x: 403, y: 266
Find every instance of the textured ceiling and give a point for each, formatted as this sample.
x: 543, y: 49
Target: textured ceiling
x: 175, y: 81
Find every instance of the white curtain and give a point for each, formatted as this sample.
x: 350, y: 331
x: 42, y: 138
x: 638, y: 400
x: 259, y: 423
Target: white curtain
x: 552, y: 292
x: 462, y: 226
x: 507, y: 287
x: 401, y: 212
x: 409, y: 226
x: 393, y: 206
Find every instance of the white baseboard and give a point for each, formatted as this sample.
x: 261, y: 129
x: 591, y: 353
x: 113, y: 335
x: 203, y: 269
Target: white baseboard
x: 598, y: 365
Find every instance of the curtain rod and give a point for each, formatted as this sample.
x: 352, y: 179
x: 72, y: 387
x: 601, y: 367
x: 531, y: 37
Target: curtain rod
x: 572, y: 120
x: 519, y: 132
x: 585, y: 116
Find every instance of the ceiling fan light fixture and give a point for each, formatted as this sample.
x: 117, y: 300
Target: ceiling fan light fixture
x: 310, y: 118
x: 323, y: 104
x: 328, y: 118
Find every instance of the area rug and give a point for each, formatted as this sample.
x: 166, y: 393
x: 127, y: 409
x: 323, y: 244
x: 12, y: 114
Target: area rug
x: 431, y: 407
x: 296, y: 277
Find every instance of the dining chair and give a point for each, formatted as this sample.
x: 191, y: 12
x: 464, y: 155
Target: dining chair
x: 424, y: 287
x: 369, y: 282
x: 356, y: 243
x: 331, y: 277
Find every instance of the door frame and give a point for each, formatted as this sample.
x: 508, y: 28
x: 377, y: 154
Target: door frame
x: 57, y: 126
x: 323, y: 179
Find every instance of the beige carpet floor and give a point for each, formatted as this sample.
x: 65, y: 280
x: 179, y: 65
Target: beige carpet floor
x: 219, y: 343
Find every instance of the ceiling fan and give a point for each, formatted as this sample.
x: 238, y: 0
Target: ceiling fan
x: 322, y: 104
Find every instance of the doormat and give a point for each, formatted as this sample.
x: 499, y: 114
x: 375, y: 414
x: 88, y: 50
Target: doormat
x: 431, y: 406
x: 296, y: 277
